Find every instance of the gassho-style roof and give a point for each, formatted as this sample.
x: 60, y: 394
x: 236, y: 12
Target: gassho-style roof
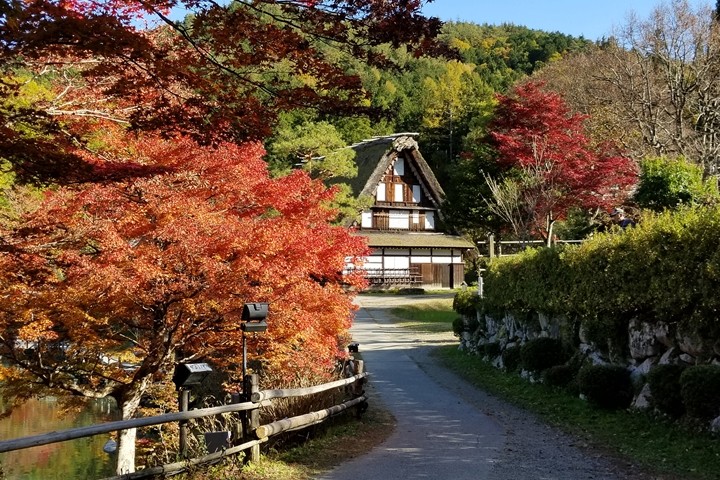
x: 414, y: 240
x: 374, y: 156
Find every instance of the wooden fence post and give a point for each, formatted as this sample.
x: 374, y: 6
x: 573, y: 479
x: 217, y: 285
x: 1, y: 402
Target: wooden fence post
x: 252, y: 417
x: 183, y: 401
x: 358, y: 390
x: 491, y: 246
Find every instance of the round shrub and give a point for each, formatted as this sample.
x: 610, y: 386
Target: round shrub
x: 511, y: 358
x: 542, y: 353
x: 606, y: 386
x: 700, y: 390
x: 492, y: 350
x: 465, y: 324
x: 466, y: 302
x: 559, y: 376
x: 458, y: 326
x: 664, y: 381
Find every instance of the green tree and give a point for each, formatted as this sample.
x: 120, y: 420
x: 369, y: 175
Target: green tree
x: 449, y: 101
x: 314, y: 146
x: 670, y: 182
x: 318, y: 148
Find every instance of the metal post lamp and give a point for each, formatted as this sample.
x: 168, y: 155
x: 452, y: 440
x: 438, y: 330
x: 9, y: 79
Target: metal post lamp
x: 253, y: 317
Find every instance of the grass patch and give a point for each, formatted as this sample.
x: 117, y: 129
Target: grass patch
x: 433, y: 316
x: 658, y: 445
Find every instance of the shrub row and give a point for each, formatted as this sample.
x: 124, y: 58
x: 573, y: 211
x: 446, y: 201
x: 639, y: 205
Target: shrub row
x: 675, y: 389
x: 665, y: 269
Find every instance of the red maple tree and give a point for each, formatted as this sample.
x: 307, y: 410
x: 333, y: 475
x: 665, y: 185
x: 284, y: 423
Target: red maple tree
x: 155, y: 270
x: 545, y: 145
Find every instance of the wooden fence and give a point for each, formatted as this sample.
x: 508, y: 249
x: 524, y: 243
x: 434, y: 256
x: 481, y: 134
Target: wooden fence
x: 499, y: 248
x: 253, y: 434
x: 392, y: 277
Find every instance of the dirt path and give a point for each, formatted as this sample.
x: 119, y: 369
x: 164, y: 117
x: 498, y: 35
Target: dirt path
x: 447, y: 428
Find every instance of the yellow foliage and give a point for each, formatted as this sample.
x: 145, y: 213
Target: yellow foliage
x: 37, y: 327
x: 460, y: 45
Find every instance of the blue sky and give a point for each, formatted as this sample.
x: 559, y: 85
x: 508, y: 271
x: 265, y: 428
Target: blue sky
x: 592, y: 19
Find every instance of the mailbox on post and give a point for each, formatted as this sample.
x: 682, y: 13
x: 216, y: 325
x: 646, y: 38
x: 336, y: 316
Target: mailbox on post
x: 253, y: 316
x: 190, y: 374
x: 186, y: 376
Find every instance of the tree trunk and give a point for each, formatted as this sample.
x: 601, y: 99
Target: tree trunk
x: 549, y: 223
x: 129, y: 403
x: 126, y: 451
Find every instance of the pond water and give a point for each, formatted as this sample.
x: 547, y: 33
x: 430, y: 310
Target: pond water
x: 83, y: 458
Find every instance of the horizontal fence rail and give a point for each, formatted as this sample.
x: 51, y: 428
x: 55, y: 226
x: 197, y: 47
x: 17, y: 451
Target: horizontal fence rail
x: 81, y: 432
x: 258, y: 400
x: 302, y: 421
x: 501, y: 248
x: 177, y: 467
x: 301, y: 392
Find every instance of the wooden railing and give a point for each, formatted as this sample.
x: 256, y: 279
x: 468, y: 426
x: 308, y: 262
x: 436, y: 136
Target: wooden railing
x: 250, y: 438
x: 394, y: 277
x: 499, y: 248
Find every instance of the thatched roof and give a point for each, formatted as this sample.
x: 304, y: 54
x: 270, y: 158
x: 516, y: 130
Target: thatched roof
x: 374, y: 156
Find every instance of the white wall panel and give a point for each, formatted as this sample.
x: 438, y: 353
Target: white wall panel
x: 429, y: 220
x: 397, y: 262
x: 380, y: 194
x: 399, y: 219
x: 366, y: 219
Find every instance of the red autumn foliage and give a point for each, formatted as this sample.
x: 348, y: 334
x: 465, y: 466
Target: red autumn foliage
x: 156, y: 270
x: 534, y: 132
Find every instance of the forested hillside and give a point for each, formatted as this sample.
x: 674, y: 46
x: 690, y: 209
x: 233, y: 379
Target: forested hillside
x: 443, y: 98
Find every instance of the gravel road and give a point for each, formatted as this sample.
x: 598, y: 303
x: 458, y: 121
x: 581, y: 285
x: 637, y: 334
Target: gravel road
x: 448, y: 429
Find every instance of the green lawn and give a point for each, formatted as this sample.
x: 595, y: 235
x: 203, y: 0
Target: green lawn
x: 433, y: 316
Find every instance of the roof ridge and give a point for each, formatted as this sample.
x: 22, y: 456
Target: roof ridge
x: 381, y: 138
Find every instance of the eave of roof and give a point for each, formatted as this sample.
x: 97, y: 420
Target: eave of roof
x: 415, y: 240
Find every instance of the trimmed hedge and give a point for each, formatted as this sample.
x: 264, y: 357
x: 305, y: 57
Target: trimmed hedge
x: 667, y: 268
x: 511, y: 358
x: 664, y: 381
x: 606, y: 386
x: 700, y: 389
x: 466, y: 302
x: 539, y: 354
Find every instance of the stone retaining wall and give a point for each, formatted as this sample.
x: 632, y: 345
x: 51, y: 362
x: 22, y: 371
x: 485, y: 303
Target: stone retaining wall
x: 648, y: 344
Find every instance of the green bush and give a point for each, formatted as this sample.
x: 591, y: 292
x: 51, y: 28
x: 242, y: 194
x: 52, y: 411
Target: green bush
x: 467, y: 324
x: 559, y: 376
x: 542, y: 353
x: 664, y: 381
x: 466, y: 302
x: 511, y: 358
x: 492, y: 350
x: 606, y: 386
x: 667, y: 183
x: 458, y: 326
x: 700, y: 389
x: 667, y: 269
